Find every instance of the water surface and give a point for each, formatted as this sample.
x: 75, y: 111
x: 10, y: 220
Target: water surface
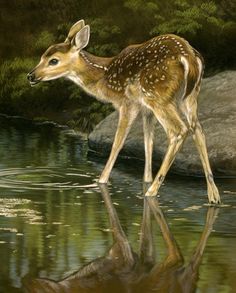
x: 54, y: 219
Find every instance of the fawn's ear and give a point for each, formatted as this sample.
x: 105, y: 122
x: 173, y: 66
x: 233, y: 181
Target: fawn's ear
x: 82, y: 38
x: 74, y: 30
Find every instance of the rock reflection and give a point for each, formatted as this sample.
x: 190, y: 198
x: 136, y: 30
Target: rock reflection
x: 123, y: 270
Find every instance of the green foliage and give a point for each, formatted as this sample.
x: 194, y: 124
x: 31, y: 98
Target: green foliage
x: 12, y: 81
x: 44, y: 40
x: 104, y: 37
x: 150, y: 7
x: 86, y: 118
x: 187, y: 18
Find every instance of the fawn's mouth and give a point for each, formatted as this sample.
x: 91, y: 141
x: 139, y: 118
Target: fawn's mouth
x: 33, y: 83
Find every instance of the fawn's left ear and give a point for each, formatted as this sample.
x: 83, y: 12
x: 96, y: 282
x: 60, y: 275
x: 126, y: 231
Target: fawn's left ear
x: 82, y: 38
x: 74, y: 30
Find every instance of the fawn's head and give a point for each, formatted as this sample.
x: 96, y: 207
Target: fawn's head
x: 58, y: 59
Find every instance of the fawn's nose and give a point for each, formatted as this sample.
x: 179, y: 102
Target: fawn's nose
x: 31, y: 76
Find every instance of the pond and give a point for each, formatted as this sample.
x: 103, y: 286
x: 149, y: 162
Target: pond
x: 57, y: 224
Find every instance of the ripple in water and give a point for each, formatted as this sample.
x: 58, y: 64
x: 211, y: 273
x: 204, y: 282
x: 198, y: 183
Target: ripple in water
x: 45, y: 178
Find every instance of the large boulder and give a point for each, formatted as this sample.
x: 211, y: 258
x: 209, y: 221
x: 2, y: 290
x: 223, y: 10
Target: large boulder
x: 217, y: 113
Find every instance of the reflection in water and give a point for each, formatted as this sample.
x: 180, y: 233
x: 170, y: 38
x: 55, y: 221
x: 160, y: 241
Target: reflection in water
x: 122, y: 270
x: 52, y: 217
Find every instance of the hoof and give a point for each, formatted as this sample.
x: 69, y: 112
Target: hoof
x: 215, y: 202
x: 213, y: 195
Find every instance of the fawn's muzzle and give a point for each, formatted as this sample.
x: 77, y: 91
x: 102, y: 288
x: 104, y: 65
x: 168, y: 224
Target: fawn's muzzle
x: 32, y: 78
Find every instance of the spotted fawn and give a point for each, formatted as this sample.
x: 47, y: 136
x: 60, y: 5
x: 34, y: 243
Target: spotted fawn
x: 159, y: 78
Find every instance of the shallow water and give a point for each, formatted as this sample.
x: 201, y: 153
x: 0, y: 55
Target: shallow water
x: 54, y: 220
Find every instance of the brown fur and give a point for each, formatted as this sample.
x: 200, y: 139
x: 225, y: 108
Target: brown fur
x: 63, y: 48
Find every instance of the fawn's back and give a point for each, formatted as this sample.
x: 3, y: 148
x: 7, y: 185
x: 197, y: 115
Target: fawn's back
x: 153, y: 69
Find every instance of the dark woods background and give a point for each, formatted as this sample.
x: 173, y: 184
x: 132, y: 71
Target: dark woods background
x: 28, y: 27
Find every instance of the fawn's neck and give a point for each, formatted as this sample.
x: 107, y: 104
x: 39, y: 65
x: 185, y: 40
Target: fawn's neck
x: 88, y: 70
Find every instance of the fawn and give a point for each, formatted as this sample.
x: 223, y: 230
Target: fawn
x: 160, y: 78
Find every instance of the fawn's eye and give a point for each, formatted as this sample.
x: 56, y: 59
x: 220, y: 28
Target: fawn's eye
x: 53, y: 61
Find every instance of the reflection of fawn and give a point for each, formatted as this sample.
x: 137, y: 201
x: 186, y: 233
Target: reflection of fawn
x: 160, y: 78
x: 121, y: 270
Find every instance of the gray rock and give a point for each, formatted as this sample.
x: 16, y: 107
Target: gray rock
x: 217, y: 113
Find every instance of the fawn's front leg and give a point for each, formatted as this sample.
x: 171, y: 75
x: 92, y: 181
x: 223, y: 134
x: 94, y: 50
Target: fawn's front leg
x: 127, y: 115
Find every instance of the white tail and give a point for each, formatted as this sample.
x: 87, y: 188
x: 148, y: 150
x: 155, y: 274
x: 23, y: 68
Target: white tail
x: 159, y: 78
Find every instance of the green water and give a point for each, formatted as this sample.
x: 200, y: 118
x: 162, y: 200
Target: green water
x: 54, y: 219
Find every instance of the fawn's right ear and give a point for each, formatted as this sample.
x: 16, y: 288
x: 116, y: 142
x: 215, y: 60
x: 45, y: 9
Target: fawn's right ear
x: 82, y: 38
x: 74, y: 30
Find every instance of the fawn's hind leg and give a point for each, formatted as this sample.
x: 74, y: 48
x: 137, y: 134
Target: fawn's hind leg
x: 149, y: 122
x: 190, y: 104
x: 176, y: 131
